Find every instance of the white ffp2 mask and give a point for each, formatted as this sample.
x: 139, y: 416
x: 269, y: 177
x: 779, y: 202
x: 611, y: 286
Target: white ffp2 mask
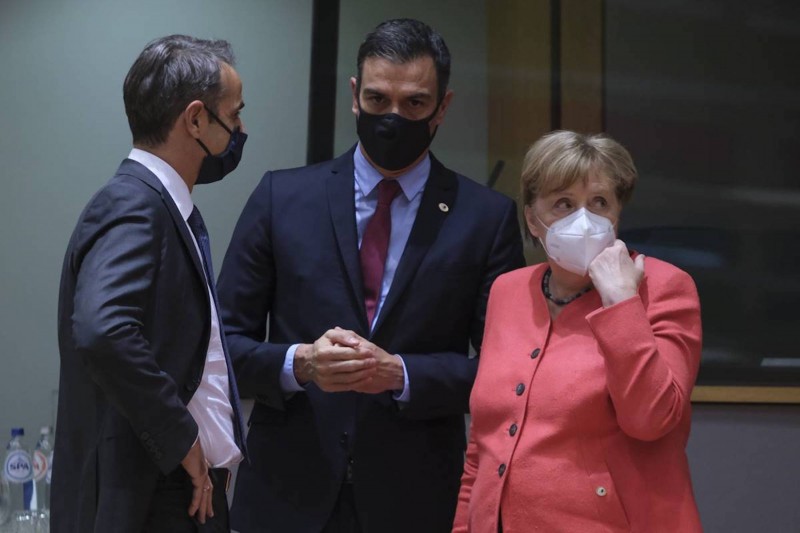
x: 575, y: 240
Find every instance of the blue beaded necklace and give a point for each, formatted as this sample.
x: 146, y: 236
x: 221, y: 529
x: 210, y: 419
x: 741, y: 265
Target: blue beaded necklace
x: 559, y: 301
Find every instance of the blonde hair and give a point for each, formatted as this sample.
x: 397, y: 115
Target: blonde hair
x: 561, y: 158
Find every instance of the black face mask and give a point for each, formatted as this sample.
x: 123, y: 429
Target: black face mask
x: 391, y: 141
x: 216, y: 167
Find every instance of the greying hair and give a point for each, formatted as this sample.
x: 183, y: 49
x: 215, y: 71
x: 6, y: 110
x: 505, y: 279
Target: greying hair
x: 169, y: 74
x: 403, y: 40
x: 562, y: 158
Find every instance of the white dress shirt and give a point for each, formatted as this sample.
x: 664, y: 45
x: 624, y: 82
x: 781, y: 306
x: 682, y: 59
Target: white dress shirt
x: 210, y: 406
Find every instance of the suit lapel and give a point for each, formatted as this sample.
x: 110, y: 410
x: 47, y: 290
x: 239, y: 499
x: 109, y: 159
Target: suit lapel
x: 440, y: 191
x: 341, y: 201
x: 139, y: 171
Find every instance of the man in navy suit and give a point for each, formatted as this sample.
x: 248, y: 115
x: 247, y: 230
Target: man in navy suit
x: 370, y: 273
x: 148, y: 414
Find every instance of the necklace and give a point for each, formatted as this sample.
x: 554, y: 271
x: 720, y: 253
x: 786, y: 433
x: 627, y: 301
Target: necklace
x: 559, y: 301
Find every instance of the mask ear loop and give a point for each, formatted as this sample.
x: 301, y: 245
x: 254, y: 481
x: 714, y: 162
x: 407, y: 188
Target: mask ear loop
x: 203, y: 146
x: 218, y: 121
x: 439, y: 101
x: 541, y: 241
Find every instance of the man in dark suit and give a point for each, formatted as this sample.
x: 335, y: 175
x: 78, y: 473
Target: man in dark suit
x: 371, y: 273
x: 148, y: 413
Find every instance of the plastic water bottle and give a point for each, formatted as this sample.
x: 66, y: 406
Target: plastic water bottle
x: 42, y: 471
x: 5, y: 503
x: 18, y: 473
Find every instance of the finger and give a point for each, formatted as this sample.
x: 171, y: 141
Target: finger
x: 639, y: 262
x: 342, y: 387
x: 200, y: 516
x: 202, y: 511
x: 367, y: 349
x: 345, y: 378
x: 593, y: 264
x: 339, y: 353
x: 347, y: 367
x: 197, y: 497
x: 365, y: 386
x: 210, y: 500
x: 343, y: 337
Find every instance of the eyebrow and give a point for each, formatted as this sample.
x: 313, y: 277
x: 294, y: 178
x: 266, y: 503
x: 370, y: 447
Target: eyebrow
x: 368, y: 91
x: 373, y: 92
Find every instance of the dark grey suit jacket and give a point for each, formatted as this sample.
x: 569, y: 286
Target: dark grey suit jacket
x: 133, y: 331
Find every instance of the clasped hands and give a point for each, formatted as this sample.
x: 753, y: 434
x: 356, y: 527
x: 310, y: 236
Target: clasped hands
x: 341, y: 360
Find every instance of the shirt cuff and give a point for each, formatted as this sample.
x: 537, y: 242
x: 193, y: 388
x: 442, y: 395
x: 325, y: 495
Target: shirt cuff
x: 287, y: 380
x: 405, y: 395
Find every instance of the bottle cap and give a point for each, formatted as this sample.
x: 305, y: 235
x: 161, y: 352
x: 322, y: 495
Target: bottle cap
x: 45, y: 430
x: 17, y: 432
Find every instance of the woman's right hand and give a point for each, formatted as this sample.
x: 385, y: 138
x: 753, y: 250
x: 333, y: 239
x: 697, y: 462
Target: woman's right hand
x: 616, y: 276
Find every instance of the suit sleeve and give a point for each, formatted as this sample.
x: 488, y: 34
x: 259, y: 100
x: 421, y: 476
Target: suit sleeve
x: 652, y: 354
x: 441, y: 382
x: 246, y: 289
x: 115, y: 282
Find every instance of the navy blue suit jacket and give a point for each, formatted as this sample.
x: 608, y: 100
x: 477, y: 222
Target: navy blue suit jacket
x: 134, y: 322
x: 292, y: 270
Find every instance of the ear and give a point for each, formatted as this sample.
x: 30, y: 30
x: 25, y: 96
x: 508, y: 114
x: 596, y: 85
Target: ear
x: 532, y: 223
x: 194, y: 119
x: 353, y: 86
x: 439, y: 118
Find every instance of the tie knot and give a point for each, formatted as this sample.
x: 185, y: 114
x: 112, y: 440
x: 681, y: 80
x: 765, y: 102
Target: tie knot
x: 387, y: 191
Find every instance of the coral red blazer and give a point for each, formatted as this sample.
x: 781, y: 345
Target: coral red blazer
x: 579, y: 424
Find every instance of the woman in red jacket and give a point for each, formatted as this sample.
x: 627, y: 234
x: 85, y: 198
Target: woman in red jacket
x: 581, y: 407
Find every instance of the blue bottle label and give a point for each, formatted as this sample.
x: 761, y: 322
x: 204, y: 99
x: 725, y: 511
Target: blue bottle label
x: 18, y: 468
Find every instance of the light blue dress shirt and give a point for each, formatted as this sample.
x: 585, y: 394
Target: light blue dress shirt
x: 404, y: 212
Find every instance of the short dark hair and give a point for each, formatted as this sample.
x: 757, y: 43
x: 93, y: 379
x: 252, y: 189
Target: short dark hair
x: 403, y: 40
x: 170, y: 73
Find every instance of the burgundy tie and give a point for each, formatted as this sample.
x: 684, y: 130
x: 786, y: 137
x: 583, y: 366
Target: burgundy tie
x: 375, y: 245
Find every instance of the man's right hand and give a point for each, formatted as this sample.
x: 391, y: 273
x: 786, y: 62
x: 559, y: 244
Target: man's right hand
x: 195, y: 465
x: 334, y: 362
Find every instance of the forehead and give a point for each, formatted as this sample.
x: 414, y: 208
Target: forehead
x: 231, y: 83
x: 592, y: 183
x: 418, y: 74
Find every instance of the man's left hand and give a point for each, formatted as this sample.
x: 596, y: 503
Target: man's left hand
x: 389, y: 374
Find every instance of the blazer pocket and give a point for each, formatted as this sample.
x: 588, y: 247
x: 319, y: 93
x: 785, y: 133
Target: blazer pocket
x: 603, y: 489
x: 607, y: 499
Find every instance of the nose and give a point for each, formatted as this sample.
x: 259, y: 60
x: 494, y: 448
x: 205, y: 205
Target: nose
x: 387, y: 128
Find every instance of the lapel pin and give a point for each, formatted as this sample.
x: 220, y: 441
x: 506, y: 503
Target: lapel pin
x: 443, y: 207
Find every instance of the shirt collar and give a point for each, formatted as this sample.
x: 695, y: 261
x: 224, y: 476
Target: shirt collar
x: 174, y: 184
x: 411, y: 182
